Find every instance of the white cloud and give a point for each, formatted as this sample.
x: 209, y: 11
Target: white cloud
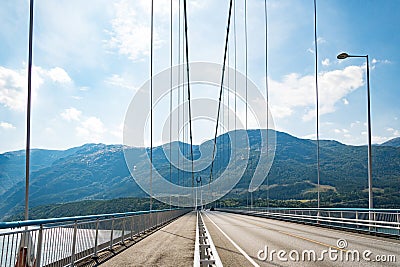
x: 118, y: 131
x: 12, y: 89
x: 393, y: 132
x: 13, y: 84
x: 117, y: 80
x: 383, y: 61
x: 312, y: 136
x: 71, y: 114
x: 91, y: 129
x: 379, y: 139
x: 7, y: 126
x: 326, y: 62
x: 299, y: 91
x: 321, y: 40
x: 59, y: 75
x: 130, y: 33
x: 354, y: 124
x: 345, y: 101
x: 344, y: 131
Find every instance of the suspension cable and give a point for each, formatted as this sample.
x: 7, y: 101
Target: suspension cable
x: 179, y: 93
x: 266, y: 86
x: 28, y: 112
x: 188, y: 87
x: 234, y: 34
x: 245, y: 37
x: 221, y: 89
x: 170, y: 107
x: 317, y: 97
x: 151, y: 106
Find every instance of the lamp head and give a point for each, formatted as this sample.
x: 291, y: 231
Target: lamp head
x: 342, y: 56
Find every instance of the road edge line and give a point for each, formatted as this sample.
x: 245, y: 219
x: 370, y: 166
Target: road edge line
x: 196, y: 257
x: 216, y: 257
x: 234, y: 244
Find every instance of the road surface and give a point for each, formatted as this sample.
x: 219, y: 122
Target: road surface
x: 243, y: 240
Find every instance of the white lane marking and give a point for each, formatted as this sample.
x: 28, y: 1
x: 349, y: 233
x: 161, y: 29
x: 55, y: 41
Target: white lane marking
x: 234, y: 244
x: 196, y: 259
x: 217, y: 259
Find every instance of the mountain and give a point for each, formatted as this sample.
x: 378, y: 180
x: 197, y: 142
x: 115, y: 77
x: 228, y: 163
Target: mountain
x: 395, y: 142
x: 92, y: 171
x: 99, y: 172
x: 12, y: 164
x: 89, y: 207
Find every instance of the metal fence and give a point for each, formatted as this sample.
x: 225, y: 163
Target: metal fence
x: 374, y: 221
x: 65, y: 241
x: 205, y: 253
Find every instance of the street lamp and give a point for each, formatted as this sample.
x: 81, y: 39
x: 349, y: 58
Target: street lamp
x: 370, y: 199
x: 198, y: 180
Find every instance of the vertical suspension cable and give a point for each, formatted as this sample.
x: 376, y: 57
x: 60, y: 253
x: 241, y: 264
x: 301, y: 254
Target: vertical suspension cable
x: 184, y: 148
x: 179, y: 92
x: 234, y: 34
x: 228, y: 92
x: 317, y: 99
x: 170, y: 109
x: 227, y: 139
x: 188, y: 87
x: 266, y: 87
x: 245, y: 38
x: 151, y: 106
x: 183, y: 102
x: 28, y: 112
x: 234, y: 41
x: 221, y: 89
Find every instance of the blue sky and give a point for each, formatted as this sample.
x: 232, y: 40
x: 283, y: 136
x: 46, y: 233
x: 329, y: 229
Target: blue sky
x: 90, y: 57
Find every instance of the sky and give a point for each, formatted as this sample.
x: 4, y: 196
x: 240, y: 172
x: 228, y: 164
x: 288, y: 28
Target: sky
x: 91, y: 57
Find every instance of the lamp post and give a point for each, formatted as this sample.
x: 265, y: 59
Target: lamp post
x: 370, y: 199
x: 198, y: 180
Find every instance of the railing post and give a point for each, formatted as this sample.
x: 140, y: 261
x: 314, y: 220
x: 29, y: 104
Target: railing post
x: 123, y: 231
x: 39, y: 247
x: 112, y: 233
x: 357, y: 219
x: 74, y: 243
x: 398, y: 221
x: 96, y: 240
x: 140, y: 227
x: 132, y: 227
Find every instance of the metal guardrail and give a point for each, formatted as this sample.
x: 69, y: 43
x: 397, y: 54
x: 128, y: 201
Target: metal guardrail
x: 65, y: 241
x: 374, y: 221
x: 205, y: 253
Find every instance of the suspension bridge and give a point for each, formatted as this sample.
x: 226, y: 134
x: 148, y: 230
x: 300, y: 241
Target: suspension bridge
x: 194, y: 231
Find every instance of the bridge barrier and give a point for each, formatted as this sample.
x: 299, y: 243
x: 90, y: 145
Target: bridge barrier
x: 205, y: 253
x: 66, y: 241
x: 375, y: 221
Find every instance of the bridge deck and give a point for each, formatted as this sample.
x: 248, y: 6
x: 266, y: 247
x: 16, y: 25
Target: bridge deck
x: 252, y: 234
x: 172, y: 245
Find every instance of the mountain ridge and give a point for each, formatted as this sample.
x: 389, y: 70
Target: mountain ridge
x: 98, y: 171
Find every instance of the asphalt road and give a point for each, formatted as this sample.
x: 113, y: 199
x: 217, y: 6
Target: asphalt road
x: 243, y: 240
